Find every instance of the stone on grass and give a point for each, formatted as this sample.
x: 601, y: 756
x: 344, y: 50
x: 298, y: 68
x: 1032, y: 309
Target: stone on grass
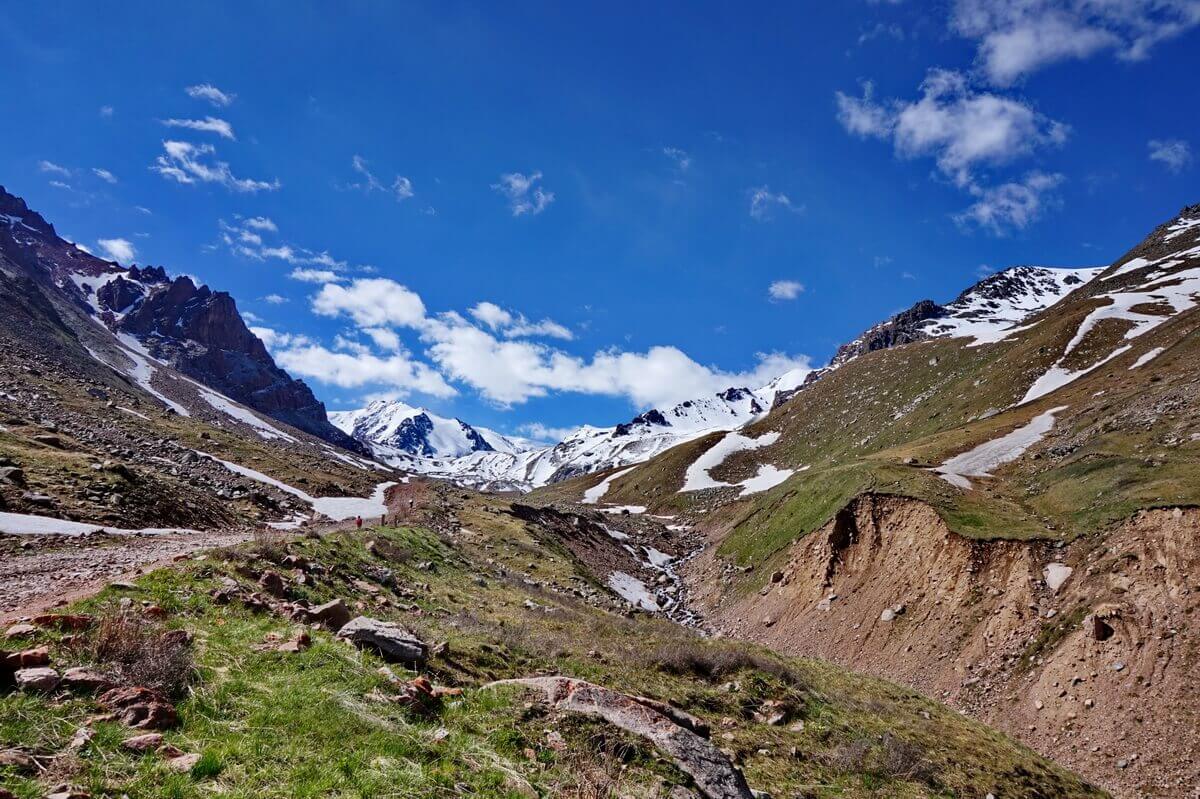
x: 332, y: 615
x: 391, y: 641
x: 41, y: 679
x: 82, y: 678
x: 149, y: 742
x: 140, y: 708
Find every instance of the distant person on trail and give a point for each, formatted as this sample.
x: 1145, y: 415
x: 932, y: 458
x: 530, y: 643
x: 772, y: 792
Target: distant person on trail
x: 358, y: 522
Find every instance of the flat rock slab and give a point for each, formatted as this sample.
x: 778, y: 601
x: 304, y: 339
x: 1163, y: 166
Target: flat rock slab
x: 390, y: 640
x: 713, y: 772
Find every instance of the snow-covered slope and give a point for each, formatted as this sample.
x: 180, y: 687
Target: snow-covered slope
x: 415, y: 431
x: 416, y: 440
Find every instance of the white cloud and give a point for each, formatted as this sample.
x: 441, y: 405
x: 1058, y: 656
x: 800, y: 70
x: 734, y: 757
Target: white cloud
x: 189, y: 163
x: 104, y: 174
x: 260, y: 223
x: 106, y: 111
x: 541, y: 432
x: 523, y: 196
x: 515, y: 325
x: 315, y: 276
x: 680, y: 157
x: 959, y: 127
x: 120, y: 250
x: 371, y: 302
x: 512, y: 371
x: 1174, y: 154
x: 401, y: 187
x: 54, y: 169
x: 58, y: 184
x: 384, y: 338
x: 785, y: 290
x: 275, y: 299
x: 764, y: 203
x: 1016, y: 38
x: 356, y: 369
x: 206, y: 125
x: 1011, y: 205
x: 206, y: 91
x: 274, y: 339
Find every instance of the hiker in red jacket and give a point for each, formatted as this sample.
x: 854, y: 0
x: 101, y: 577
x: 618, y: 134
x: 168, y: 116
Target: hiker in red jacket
x: 358, y: 522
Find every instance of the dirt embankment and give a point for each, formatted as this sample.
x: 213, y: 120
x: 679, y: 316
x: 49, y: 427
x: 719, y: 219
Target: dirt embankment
x: 1095, y: 667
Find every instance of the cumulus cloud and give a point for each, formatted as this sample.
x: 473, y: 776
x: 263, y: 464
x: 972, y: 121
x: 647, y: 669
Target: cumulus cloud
x: 371, y: 302
x: 206, y: 125
x: 493, y: 356
x: 210, y: 93
x: 1174, y: 154
x: 515, y: 325
x: 1011, y: 205
x: 1017, y: 38
x: 104, y: 174
x: 764, y: 203
x: 189, y: 164
x: 357, y: 369
x: 523, y: 196
x: 541, y: 432
x: 275, y: 299
x: 785, y: 290
x: 959, y: 127
x: 120, y: 250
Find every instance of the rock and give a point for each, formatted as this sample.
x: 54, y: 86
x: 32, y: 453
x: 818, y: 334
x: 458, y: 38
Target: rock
x: 63, y: 621
x: 67, y: 792
x: 273, y: 584
x: 140, y: 708
x: 709, y: 767
x: 332, y: 615
x: 41, y: 500
x: 149, y: 742
x: 298, y: 644
x: 390, y: 640
x: 183, y: 763
x: 82, y: 678
x: 887, y: 615
x: 28, y: 658
x: 82, y: 737
x: 49, y: 440
x: 1056, y: 574
x: 12, y: 474
x: 20, y: 630
x: 40, y: 679
x: 18, y: 760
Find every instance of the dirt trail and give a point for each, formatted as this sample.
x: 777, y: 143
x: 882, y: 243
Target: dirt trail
x: 40, y: 572
x: 1098, y: 674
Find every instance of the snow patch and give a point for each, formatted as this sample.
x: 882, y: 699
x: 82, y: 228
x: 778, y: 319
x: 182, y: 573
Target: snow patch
x: 1147, y: 357
x: 632, y: 590
x: 697, y: 477
x: 336, y: 508
x: 593, y: 494
x: 980, y: 461
x: 25, y: 524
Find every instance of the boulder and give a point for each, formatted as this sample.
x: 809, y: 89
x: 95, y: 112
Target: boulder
x: 20, y: 631
x: 711, y: 769
x: 390, y: 640
x: 332, y: 615
x: 183, y: 763
x: 41, y: 679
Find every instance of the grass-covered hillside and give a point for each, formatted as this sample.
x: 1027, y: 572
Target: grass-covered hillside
x: 266, y: 704
x: 1122, y: 350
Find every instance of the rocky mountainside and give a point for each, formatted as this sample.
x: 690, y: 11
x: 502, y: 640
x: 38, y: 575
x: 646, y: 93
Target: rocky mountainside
x: 197, y: 331
x: 990, y: 501
x: 418, y: 441
x: 97, y: 427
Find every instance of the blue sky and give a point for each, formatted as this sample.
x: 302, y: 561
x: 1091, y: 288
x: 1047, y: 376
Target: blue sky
x: 552, y: 214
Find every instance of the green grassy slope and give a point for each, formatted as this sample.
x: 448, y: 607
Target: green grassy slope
x: 317, y: 722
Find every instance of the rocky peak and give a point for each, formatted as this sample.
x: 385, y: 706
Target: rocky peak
x: 13, y: 207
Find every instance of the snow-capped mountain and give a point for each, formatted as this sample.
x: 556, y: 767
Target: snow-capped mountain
x: 988, y: 311
x: 416, y: 440
x: 416, y: 431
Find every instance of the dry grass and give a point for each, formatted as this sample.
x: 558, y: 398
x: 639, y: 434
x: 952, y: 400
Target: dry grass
x: 889, y: 756
x: 141, y: 651
x: 714, y: 662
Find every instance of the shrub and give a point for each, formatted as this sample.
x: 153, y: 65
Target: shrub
x: 712, y: 662
x: 141, y: 651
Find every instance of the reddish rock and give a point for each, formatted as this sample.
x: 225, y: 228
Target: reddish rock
x: 140, y: 708
x: 298, y: 644
x: 63, y: 621
x: 183, y: 763
x: 29, y: 658
x: 149, y: 742
x: 273, y: 584
x: 20, y: 630
x: 332, y: 615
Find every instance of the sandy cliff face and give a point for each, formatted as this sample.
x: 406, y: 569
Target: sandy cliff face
x: 1086, y: 652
